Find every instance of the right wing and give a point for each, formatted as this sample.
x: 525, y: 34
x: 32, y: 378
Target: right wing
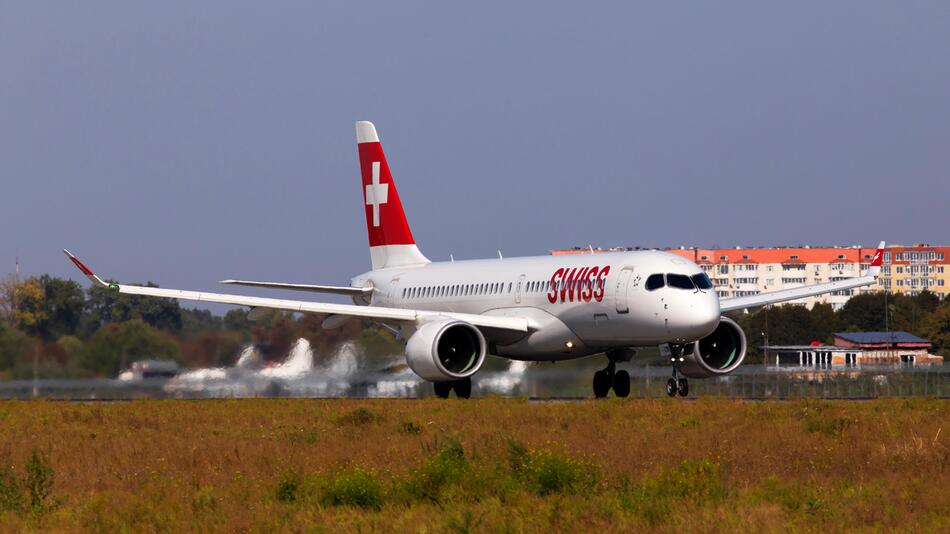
x: 785, y: 295
x: 517, y: 324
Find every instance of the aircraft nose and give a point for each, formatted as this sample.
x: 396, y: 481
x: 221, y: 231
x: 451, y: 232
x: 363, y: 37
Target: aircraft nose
x: 709, y: 313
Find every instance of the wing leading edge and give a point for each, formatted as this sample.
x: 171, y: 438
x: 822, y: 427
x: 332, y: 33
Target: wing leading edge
x: 785, y: 295
x: 336, y: 290
x: 368, y: 312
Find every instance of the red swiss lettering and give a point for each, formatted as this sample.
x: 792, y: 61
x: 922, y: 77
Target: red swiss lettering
x: 555, y: 278
x: 601, y: 282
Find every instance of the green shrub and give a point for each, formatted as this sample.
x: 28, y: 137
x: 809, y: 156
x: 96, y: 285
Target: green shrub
x: 829, y: 426
x: 288, y: 488
x: 353, y: 487
x: 358, y: 417
x: 695, y: 482
x: 411, y: 428
x: 550, y: 473
x: 39, y: 479
x: 11, y: 496
x: 446, y: 467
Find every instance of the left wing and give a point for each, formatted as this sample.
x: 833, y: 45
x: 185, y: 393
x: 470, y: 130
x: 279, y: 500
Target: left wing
x: 784, y: 295
x: 336, y: 290
x: 518, y: 324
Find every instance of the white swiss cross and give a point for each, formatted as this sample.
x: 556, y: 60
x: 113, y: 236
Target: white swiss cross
x: 376, y: 194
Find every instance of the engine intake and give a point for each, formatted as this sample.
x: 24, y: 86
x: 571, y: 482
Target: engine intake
x: 445, y: 350
x: 718, y: 353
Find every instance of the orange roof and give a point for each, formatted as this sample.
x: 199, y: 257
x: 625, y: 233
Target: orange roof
x: 787, y: 255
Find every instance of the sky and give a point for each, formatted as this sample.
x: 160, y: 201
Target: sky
x: 189, y: 142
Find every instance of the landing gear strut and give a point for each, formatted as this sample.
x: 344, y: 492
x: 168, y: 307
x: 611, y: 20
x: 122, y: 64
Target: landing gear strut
x: 610, y: 378
x: 462, y: 387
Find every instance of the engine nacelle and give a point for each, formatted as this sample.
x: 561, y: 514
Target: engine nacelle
x: 718, y: 353
x: 445, y: 350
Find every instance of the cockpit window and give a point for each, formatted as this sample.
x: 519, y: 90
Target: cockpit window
x: 702, y: 281
x: 654, y: 281
x: 679, y: 281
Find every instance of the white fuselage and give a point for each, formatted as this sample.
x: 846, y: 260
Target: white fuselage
x: 577, y: 304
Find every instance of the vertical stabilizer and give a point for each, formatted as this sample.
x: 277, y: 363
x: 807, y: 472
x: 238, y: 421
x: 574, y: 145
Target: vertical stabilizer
x: 390, y: 239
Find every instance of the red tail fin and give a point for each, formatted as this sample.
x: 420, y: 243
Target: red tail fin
x: 390, y: 239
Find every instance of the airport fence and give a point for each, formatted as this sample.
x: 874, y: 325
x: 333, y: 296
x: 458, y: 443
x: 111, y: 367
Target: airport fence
x: 748, y: 382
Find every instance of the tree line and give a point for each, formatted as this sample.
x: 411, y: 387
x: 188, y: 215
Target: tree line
x: 923, y: 315
x: 53, y: 328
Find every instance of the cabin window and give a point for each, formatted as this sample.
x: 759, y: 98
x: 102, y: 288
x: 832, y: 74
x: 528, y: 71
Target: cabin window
x: 654, y: 281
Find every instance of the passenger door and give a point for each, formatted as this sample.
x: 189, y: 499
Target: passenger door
x: 518, y: 288
x: 621, y: 295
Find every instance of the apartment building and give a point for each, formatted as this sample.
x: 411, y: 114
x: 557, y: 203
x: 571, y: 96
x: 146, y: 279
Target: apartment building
x: 738, y: 272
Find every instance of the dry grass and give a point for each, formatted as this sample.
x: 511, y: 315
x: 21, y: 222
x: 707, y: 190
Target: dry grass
x: 483, y: 465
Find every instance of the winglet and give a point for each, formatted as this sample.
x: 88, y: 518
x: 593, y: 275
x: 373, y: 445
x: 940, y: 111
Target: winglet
x: 85, y: 270
x: 876, y: 261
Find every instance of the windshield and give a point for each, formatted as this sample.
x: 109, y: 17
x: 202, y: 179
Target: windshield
x: 654, y: 281
x: 702, y: 281
x: 679, y: 281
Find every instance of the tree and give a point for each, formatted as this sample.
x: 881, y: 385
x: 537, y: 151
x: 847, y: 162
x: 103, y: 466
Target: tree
x: 114, y: 346
x: 936, y: 328
x: 29, y: 314
x: 63, y: 302
x: 15, y: 346
x: 104, y: 305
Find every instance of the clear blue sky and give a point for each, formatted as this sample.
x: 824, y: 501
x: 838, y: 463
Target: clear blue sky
x: 187, y: 142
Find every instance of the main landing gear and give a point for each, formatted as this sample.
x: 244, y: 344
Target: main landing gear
x: 463, y: 388
x: 674, y: 385
x: 610, y: 378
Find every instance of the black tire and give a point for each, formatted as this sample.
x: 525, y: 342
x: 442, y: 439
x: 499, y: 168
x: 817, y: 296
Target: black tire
x: 463, y: 388
x: 622, y: 384
x: 683, y: 387
x: 671, y: 387
x: 601, y: 384
x: 442, y: 389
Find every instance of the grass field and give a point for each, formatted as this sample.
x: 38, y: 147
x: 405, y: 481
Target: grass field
x: 485, y: 465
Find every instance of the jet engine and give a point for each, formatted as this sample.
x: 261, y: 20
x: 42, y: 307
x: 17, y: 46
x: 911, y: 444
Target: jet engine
x: 718, y: 353
x: 445, y: 350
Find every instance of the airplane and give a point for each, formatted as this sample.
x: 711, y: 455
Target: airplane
x: 544, y: 308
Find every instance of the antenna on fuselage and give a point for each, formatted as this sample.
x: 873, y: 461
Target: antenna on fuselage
x: 452, y: 258
x: 591, y: 247
x: 499, y: 255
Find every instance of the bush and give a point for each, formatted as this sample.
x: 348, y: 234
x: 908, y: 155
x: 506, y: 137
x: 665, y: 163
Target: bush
x: 288, y: 488
x: 11, y: 496
x: 353, y: 487
x: 693, y: 482
x: 550, y: 473
x: 39, y: 479
x: 358, y: 417
x: 446, y: 467
x: 411, y: 428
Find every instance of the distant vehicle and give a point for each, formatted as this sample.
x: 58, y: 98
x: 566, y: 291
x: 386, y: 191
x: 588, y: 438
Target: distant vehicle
x: 144, y: 369
x: 543, y: 308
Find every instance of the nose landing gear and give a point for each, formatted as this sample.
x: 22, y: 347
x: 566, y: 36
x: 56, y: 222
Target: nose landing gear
x: 610, y: 377
x: 674, y: 385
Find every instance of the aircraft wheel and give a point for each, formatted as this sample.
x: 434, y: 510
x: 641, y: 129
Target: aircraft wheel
x: 683, y: 387
x: 671, y: 387
x: 463, y: 388
x: 622, y: 384
x: 442, y: 389
x: 601, y: 384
